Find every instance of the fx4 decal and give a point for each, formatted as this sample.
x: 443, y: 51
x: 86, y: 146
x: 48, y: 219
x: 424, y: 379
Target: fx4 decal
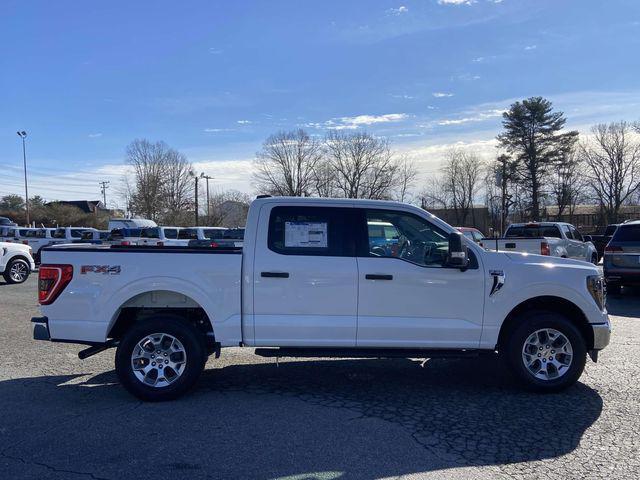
x: 104, y: 269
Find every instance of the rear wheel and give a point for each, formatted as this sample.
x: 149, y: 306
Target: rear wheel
x: 546, y: 352
x: 161, y: 358
x: 17, y: 271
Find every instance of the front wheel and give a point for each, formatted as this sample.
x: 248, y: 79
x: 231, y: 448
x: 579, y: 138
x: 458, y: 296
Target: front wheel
x: 160, y: 359
x: 17, y: 271
x: 546, y: 352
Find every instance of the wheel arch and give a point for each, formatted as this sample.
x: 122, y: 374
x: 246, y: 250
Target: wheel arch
x: 548, y: 303
x: 149, y: 304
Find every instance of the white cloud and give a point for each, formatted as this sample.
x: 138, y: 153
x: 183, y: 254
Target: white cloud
x: 478, y: 117
x: 243, y: 122
x: 215, y: 51
x: 352, y: 123
x: 530, y: 47
x: 398, y: 11
x: 442, y: 94
x: 456, y: 2
x: 218, y: 130
x: 95, y: 135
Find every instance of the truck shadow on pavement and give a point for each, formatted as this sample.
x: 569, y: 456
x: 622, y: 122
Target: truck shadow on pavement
x: 299, y: 420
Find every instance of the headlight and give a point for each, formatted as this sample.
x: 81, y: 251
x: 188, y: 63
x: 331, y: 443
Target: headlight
x: 595, y: 285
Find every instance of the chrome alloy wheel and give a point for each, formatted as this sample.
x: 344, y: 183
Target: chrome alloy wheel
x: 158, y: 360
x: 547, y: 354
x: 19, y: 272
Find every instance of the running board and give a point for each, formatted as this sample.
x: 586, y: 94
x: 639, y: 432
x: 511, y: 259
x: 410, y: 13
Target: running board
x: 366, y: 352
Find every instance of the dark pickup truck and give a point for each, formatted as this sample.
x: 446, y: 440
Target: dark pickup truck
x: 600, y: 241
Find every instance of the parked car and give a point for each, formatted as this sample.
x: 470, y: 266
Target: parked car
x: 556, y: 239
x: 69, y: 234
x: 622, y: 257
x: 36, y: 238
x: 600, y: 241
x: 383, y: 238
x: 307, y: 284
x: 118, y: 223
x: 214, y: 237
x: 16, y: 262
x: 472, y: 234
x: 161, y: 236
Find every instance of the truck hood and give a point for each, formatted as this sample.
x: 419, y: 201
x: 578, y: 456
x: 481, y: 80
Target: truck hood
x: 551, y: 262
x: 15, y: 246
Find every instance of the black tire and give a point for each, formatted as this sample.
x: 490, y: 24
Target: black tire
x: 528, y: 324
x: 614, y: 288
x: 192, y: 340
x: 21, y: 264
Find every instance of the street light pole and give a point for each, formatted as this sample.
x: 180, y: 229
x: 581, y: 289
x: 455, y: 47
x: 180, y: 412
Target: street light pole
x: 207, y: 177
x: 22, y: 134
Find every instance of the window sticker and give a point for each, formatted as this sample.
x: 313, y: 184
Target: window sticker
x: 305, y: 234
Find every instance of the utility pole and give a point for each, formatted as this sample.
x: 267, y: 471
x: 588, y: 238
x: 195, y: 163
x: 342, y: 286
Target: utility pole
x: 103, y: 189
x: 207, y: 177
x: 22, y: 134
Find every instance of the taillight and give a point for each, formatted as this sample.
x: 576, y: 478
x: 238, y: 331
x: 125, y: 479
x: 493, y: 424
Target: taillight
x: 52, y: 280
x: 214, y: 245
x: 544, y: 248
x: 125, y: 243
x: 612, y: 248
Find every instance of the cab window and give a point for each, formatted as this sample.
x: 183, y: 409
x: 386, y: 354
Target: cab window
x: 171, y: 233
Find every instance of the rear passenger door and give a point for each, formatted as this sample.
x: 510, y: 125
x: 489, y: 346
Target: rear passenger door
x: 305, y: 278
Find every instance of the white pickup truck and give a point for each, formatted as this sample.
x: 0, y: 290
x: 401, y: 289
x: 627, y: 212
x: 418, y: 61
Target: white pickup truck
x: 311, y: 282
x: 556, y: 239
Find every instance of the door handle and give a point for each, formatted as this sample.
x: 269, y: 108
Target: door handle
x: 373, y: 276
x: 274, y: 274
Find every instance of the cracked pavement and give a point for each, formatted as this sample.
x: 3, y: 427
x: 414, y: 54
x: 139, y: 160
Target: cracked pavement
x: 63, y: 418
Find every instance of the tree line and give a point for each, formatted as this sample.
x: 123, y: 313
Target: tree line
x: 541, y: 164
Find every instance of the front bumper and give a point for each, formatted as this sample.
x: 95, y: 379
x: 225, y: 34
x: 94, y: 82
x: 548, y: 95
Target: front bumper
x: 41, y: 328
x: 601, y: 335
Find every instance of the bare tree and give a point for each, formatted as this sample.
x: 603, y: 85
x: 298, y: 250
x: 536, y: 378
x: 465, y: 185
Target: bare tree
x: 324, y: 183
x: 613, y: 161
x: 148, y: 163
x: 568, y: 185
x: 228, y: 208
x: 434, y: 195
x: 286, y: 164
x: 363, y: 165
x: 161, y: 188
x: 407, y: 174
x: 461, y: 175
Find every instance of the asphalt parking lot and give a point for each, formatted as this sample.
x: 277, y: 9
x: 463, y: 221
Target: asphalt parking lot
x: 61, y: 417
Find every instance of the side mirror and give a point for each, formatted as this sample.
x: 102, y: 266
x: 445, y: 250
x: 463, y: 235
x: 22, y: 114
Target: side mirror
x: 458, y: 256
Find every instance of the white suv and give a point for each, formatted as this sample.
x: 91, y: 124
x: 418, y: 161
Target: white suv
x: 16, y: 262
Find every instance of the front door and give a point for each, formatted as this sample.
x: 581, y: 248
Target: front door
x: 305, y: 280
x: 406, y: 296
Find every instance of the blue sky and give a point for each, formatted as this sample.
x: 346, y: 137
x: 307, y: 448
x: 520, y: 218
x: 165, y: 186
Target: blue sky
x: 214, y: 79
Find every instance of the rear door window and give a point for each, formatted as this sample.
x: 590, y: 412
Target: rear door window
x: 150, y: 233
x: 171, y: 233
x: 318, y: 231
x: 188, y: 234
